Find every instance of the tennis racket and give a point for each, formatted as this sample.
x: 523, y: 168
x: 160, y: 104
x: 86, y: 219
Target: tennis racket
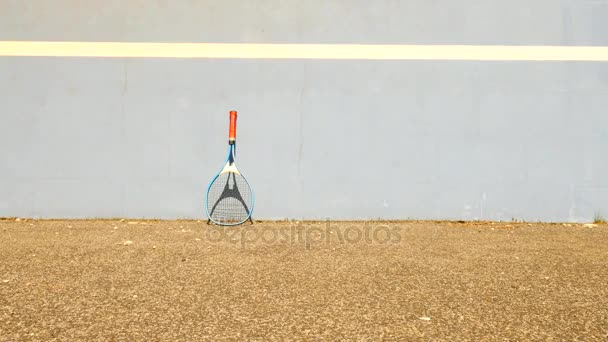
x: 229, y: 196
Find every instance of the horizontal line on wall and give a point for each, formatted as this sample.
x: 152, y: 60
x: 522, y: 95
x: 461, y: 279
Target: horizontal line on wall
x: 304, y: 51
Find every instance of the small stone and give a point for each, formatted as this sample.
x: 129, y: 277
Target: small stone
x: 153, y: 247
x: 127, y: 243
x: 197, y: 239
x: 69, y: 226
x: 17, y: 220
x: 5, y: 281
x: 115, y: 227
x: 424, y: 318
x: 590, y: 225
x: 122, y: 220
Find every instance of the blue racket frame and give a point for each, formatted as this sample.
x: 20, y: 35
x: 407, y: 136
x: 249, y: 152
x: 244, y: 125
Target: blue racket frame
x: 229, y: 159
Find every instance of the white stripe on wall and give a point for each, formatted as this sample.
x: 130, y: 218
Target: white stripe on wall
x: 305, y: 51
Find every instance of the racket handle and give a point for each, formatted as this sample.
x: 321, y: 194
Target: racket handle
x: 232, y: 132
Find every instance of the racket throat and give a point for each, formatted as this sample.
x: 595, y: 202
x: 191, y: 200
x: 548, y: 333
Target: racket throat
x: 231, y: 152
x: 230, y: 167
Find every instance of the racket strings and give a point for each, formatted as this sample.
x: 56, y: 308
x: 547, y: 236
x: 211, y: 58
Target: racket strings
x: 229, y: 199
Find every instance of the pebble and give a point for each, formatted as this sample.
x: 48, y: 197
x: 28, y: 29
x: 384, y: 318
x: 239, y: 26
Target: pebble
x: 5, y: 281
x: 590, y: 225
x: 425, y: 318
x: 127, y: 243
x: 17, y: 219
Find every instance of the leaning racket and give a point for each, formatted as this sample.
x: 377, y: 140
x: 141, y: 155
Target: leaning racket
x: 229, y: 196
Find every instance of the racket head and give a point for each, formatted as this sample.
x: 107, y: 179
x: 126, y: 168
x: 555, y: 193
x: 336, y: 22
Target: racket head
x: 229, y: 198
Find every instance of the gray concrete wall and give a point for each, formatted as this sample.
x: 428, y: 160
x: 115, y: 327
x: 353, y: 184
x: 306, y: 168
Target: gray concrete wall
x: 356, y: 139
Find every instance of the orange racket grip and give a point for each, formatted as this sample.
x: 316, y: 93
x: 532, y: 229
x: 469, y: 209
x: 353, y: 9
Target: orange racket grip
x: 232, y: 132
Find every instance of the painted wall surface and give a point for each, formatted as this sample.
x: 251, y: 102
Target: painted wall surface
x: 346, y: 139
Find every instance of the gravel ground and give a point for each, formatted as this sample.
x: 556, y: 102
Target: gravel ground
x: 185, y: 280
